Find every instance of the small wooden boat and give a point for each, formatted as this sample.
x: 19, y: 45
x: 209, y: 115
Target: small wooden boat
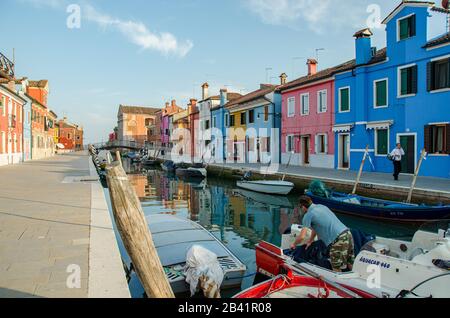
x: 298, y: 286
x: 197, y: 171
x: 268, y: 187
x: 150, y: 163
x: 406, y: 269
x: 380, y: 209
x: 174, y: 237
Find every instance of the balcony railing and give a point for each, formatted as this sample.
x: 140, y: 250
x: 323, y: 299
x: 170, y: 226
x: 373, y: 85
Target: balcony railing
x: 6, y: 66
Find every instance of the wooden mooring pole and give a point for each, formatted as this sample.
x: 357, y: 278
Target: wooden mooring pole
x: 119, y: 157
x: 358, y: 179
x: 135, y: 234
x: 416, y: 174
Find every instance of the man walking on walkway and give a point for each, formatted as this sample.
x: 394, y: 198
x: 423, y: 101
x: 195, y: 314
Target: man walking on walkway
x: 331, y: 231
x: 396, y: 156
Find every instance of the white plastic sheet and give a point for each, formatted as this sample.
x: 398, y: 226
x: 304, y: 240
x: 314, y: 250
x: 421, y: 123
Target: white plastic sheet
x: 204, y: 272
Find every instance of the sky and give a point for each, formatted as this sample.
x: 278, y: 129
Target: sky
x: 148, y: 52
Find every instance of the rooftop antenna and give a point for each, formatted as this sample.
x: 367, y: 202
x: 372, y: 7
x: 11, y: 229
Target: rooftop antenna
x: 268, y: 69
x: 317, y: 53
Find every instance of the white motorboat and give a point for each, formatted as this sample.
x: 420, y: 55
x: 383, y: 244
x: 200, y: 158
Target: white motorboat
x: 268, y: 187
x: 384, y: 267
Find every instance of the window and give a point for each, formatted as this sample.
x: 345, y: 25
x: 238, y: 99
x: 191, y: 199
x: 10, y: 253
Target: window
x: 322, y: 101
x: 407, y: 81
x: 321, y: 144
x: 438, y: 76
x: 232, y: 120
x: 291, y: 107
x: 227, y: 120
x: 266, y: 113
x: 214, y: 122
x: 243, y: 118
x: 3, y: 105
x: 344, y: 99
x: 251, y: 116
x: 381, y: 93
x: 407, y: 27
x: 304, y: 104
x: 290, y: 144
x: 437, y: 139
x: 207, y: 125
x: 382, y: 142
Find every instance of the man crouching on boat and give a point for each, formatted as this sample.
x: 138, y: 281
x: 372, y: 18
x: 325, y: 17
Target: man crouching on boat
x: 326, y: 226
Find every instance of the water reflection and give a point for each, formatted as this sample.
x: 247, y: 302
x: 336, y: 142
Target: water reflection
x: 240, y: 219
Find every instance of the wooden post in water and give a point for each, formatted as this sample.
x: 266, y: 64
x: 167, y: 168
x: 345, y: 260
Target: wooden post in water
x: 416, y: 174
x: 358, y: 179
x: 119, y: 158
x: 136, y: 235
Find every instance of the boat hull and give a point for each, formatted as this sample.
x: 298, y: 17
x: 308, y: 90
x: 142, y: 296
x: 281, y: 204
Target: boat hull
x: 190, y: 174
x: 296, y: 286
x: 395, y: 212
x: 268, y: 187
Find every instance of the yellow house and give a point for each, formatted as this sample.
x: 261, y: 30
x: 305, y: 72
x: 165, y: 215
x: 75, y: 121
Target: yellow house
x: 236, y: 136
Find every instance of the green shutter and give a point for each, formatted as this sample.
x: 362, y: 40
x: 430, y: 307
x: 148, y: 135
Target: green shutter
x: 404, y: 29
x: 404, y: 81
x: 381, y: 92
x: 382, y: 141
x: 345, y: 100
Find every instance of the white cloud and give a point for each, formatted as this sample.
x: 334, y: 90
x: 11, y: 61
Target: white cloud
x: 315, y: 15
x: 138, y: 34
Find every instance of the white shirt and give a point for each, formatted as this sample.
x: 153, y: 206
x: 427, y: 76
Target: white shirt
x: 397, y: 154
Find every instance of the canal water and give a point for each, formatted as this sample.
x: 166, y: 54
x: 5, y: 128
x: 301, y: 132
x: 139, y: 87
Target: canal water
x: 240, y: 219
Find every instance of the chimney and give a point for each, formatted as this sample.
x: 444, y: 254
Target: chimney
x: 174, y: 103
x: 363, y: 46
x: 223, y: 96
x: 167, y: 106
x: 12, y: 85
x: 312, y: 66
x: 193, y: 102
x: 192, y: 105
x: 283, y: 78
x: 205, y: 91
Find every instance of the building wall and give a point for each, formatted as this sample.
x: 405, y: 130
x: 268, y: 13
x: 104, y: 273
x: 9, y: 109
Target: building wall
x: 11, y: 128
x: 311, y: 125
x: 409, y: 115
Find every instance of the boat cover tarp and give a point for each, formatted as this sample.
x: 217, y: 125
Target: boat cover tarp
x: 203, y: 269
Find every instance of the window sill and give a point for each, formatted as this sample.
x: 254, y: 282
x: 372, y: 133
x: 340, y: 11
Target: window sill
x: 344, y: 111
x: 380, y: 107
x: 406, y: 96
x: 442, y: 90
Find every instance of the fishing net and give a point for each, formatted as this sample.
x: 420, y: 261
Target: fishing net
x: 318, y: 188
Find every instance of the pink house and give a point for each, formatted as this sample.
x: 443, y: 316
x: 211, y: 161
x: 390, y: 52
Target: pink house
x: 308, y: 118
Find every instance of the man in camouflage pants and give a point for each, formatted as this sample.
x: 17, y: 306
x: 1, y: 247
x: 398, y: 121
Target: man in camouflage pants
x: 326, y: 226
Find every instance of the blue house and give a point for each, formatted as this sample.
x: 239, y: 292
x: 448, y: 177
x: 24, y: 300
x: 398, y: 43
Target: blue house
x: 400, y: 94
x: 261, y: 116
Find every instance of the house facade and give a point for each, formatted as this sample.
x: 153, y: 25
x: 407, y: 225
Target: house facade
x: 11, y: 125
x: 133, y: 123
x: 219, y: 124
x: 399, y: 94
x: 308, y: 118
x: 21, y: 88
x: 167, y: 112
x: 258, y: 114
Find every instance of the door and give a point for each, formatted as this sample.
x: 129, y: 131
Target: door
x: 409, y: 159
x: 305, y: 150
x: 258, y: 150
x: 344, y: 151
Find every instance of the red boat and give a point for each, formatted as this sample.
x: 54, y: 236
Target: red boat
x: 297, y: 286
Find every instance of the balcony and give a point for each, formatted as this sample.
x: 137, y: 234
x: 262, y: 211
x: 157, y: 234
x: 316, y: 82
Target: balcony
x: 6, y: 66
